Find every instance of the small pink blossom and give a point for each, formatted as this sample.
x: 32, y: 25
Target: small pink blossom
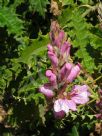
x: 74, y: 73
x: 80, y: 94
x: 46, y: 90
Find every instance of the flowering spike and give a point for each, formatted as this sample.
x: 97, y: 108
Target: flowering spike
x: 62, y: 73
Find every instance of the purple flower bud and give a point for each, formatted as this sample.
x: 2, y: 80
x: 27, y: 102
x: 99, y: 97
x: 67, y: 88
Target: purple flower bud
x: 59, y: 39
x: 51, y: 76
x: 80, y: 94
x: 46, y: 90
x: 74, y: 73
x: 65, y: 48
x: 61, y: 35
x: 65, y: 71
x: 57, y: 42
x: 59, y: 115
x: 50, y: 48
x: 52, y: 56
x: 99, y: 116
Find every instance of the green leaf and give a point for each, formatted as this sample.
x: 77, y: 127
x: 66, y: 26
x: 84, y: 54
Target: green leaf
x: 42, y: 112
x: 66, y: 2
x: 10, y: 19
x: 74, y: 131
x: 37, y: 46
x: 79, y: 32
x: 86, y: 1
x: 39, y: 6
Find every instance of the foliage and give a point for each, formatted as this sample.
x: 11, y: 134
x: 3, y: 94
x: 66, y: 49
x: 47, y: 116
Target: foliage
x: 24, y: 35
x: 39, y: 5
x: 82, y: 36
x: 11, y: 21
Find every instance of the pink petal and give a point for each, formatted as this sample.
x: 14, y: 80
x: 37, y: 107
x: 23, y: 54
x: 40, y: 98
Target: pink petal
x: 74, y: 73
x: 65, y: 70
x: 71, y: 105
x: 80, y: 94
x: 61, y: 105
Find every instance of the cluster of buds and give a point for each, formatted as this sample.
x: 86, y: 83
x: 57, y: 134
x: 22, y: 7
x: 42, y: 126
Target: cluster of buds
x: 99, y: 105
x: 61, y: 74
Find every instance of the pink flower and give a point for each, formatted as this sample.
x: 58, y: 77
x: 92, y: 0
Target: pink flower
x: 46, y: 90
x: 52, y: 56
x: 65, y: 49
x: 51, y: 76
x: 74, y: 73
x: 80, y: 94
x: 64, y: 105
x: 65, y: 70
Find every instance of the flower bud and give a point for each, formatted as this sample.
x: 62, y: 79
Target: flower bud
x: 46, y: 90
x: 52, y: 56
x: 74, y: 73
x: 51, y: 76
x: 59, y: 115
x: 50, y: 48
x: 65, y: 71
x: 65, y: 48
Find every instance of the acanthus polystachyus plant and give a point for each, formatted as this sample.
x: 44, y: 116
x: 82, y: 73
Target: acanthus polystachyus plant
x: 61, y: 74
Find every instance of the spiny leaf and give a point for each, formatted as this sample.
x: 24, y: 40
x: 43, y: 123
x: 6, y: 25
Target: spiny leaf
x: 10, y: 19
x: 37, y: 46
x: 66, y: 2
x: 39, y: 6
x: 74, y: 131
x: 78, y: 30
